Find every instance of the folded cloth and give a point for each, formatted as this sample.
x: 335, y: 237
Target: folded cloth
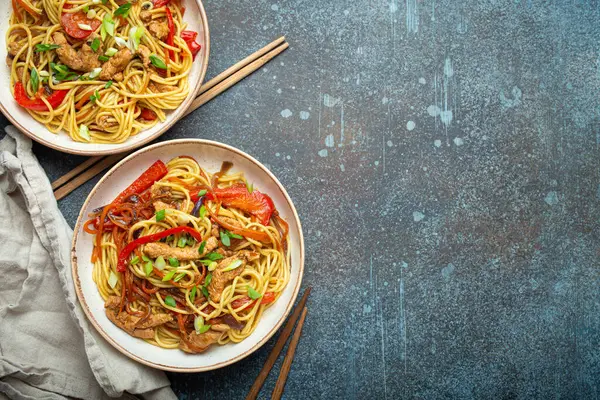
x: 48, y: 350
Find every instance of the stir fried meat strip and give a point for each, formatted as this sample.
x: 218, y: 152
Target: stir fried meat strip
x: 146, y: 16
x: 116, y: 64
x: 159, y: 30
x: 194, y: 343
x: 220, y: 279
x: 84, y: 59
x: 136, y: 326
x: 144, y: 53
x: 154, y: 250
x: 106, y: 122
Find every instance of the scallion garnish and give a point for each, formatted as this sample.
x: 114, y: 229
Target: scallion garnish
x: 160, y: 215
x: 148, y: 268
x: 123, y: 10
x: 169, y: 276
x: 182, y: 241
x: 174, y: 262
x: 202, y: 212
x: 214, y: 256
x: 46, y: 47
x: 202, y: 246
x: 234, y: 264
x: 95, y: 44
x: 225, y: 238
x: 253, y: 294
x: 134, y: 260
x: 108, y: 84
x: 207, y: 280
x: 193, y: 294
x: 170, y: 301
x: 113, y: 279
x: 157, y: 62
x: 160, y: 263
x: 35, y: 79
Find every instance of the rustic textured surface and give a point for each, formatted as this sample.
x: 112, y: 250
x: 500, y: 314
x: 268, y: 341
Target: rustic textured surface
x: 443, y: 156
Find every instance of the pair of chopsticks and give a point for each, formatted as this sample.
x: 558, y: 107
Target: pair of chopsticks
x: 299, y: 311
x: 211, y: 89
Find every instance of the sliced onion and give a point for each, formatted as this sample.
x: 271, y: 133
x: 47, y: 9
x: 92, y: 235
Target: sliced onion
x: 113, y: 279
x: 160, y: 263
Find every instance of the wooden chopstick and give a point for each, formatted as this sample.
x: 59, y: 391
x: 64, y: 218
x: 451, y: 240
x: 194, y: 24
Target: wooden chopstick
x: 86, y: 175
x: 235, y: 78
x: 288, y: 359
x: 232, y: 75
x: 279, y: 345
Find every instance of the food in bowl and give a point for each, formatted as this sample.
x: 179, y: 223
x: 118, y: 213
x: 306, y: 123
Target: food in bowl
x: 186, y: 259
x: 100, y: 70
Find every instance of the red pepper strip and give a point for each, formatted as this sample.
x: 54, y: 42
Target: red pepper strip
x: 144, y: 181
x: 246, y: 302
x: 160, y: 3
x: 249, y: 233
x: 17, y: 12
x: 189, y: 37
x: 148, y: 114
x: 256, y: 203
x: 124, y: 254
x: 171, y: 36
x: 55, y: 99
x: 28, y: 9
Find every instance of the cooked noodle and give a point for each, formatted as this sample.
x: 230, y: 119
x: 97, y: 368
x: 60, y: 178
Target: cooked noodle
x: 117, y: 113
x: 268, y: 274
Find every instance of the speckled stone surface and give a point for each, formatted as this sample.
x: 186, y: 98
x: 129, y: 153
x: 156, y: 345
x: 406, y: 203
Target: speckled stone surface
x: 444, y: 159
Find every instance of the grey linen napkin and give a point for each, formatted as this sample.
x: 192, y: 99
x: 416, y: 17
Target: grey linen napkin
x: 48, y: 350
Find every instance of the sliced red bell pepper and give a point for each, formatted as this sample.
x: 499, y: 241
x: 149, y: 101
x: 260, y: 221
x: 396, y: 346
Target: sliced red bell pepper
x: 144, y: 181
x: 189, y: 37
x: 246, y: 301
x: 171, y: 36
x: 148, y: 114
x: 126, y: 252
x: 160, y: 3
x: 55, y: 99
x: 30, y: 10
x: 256, y: 203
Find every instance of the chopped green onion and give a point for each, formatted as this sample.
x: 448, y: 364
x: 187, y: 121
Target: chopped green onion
x: 204, y: 291
x: 170, y: 301
x: 135, y: 36
x: 145, y: 258
x: 84, y: 132
x: 160, y: 263
x: 253, y: 294
x: 158, y: 62
x: 212, y: 266
x: 202, y: 246
x: 174, y: 262
x: 225, y: 239
x: 103, y: 58
x: 95, y: 72
x: 95, y: 44
x: 62, y: 72
x: 113, y: 279
x: 214, y: 256
x: 206, y: 262
x: 234, y: 264
x: 169, y: 276
x: 160, y: 215
x: 199, y: 325
x: 182, y: 241
x: 178, y: 277
x: 207, y: 280
x: 108, y: 26
x: 148, y: 268
x: 85, y: 27
x: 250, y: 187
x: 121, y: 42
x: 202, y: 212
x: 111, y: 51
x: 234, y: 236
x: 86, y: 8
x: 108, y: 84
x: 193, y: 294
x: 35, y: 79
x: 91, y: 14
x: 202, y: 193
x: 123, y: 11
x: 134, y: 260
x: 46, y: 47
x: 95, y: 96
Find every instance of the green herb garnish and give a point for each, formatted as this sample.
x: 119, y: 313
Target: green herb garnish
x: 35, y: 79
x: 134, y: 260
x: 103, y: 59
x: 234, y: 235
x: 169, y: 276
x: 148, y: 268
x: 182, y: 241
x: 95, y: 44
x: 202, y: 212
x: 204, y: 291
x: 214, y: 256
x: 123, y: 11
x: 108, y: 84
x: 46, y: 47
x: 160, y: 215
x: 225, y: 238
x: 157, y: 62
x: 234, y: 264
x: 253, y: 294
x: 207, y: 280
x: 193, y: 294
x: 178, y: 277
x: 145, y: 258
x: 170, y: 301
x: 202, y: 246
x: 174, y: 262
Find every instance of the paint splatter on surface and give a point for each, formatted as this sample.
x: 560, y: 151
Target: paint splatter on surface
x: 329, y: 141
x: 437, y: 143
x: 304, y: 115
x: 418, y: 216
x: 286, y: 113
x: 514, y: 101
x: 323, y: 153
x: 447, y: 272
x: 410, y: 125
x: 551, y: 198
x: 458, y: 141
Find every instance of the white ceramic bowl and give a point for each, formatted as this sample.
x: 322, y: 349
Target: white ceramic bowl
x: 210, y: 155
x: 195, y: 16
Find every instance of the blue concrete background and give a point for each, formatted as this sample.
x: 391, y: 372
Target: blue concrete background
x: 444, y: 159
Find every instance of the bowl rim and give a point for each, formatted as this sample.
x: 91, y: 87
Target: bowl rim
x: 118, y: 346
x: 175, y: 116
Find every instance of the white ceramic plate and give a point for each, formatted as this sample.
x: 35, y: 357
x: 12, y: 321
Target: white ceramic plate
x: 210, y: 155
x: 195, y: 16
